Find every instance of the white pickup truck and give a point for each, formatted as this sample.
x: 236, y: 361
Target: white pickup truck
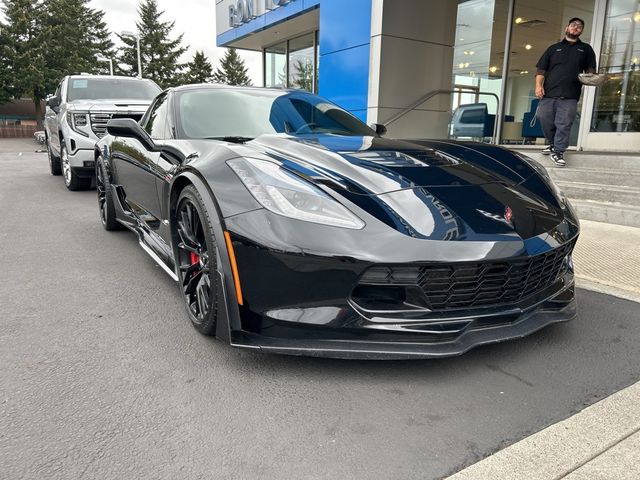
x: 77, y: 115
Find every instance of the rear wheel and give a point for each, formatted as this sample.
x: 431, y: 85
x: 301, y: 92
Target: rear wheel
x: 105, y: 198
x: 71, y: 180
x: 54, y: 162
x: 197, y: 261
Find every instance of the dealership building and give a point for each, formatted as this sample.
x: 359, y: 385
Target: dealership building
x: 410, y: 63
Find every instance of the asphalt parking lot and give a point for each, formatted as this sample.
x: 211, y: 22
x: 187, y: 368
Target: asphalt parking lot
x: 103, y: 377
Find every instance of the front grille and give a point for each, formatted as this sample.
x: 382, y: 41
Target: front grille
x: 99, y: 120
x: 471, y: 285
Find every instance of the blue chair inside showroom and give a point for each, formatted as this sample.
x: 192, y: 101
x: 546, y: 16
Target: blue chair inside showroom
x: 530, y: 124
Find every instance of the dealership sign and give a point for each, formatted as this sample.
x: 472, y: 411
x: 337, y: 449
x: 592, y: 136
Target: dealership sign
x: 243, y: 11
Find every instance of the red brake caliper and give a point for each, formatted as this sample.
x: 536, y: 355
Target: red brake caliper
x: 194, y: 257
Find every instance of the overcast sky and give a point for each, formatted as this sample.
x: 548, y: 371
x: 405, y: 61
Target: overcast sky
x: 196, y: 19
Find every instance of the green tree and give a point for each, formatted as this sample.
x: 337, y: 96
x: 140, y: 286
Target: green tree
x: 232, y: 70
x: 6, y: 82
x: 159, y: 54
x: 23, y: 52
x: 302, y: 75
x: 40, y: 45
x: 199, y: 70
x: 74, y: 47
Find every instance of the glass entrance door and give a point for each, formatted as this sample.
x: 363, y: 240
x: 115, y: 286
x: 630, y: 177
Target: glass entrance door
x: 537, y: 24
x: 479, y: 55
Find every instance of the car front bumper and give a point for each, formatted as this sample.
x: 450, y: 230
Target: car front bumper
x: 363, y: 344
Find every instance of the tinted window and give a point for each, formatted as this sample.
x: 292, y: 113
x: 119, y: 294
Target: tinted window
x: 216, y: 113
x: 475, y: 115
x: 92, y: 88
x: 156, y: 121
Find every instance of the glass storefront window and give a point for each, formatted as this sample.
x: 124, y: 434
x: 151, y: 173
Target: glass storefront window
x: 477, y: 63
x: 301, y: 60
x: 275, y: 65
x: 293, y: 63
x: 617, y: 105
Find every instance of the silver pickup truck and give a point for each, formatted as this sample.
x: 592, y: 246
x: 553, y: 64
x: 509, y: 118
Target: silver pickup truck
x: 77, y: 115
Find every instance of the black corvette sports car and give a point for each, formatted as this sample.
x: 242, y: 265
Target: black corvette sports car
x: 292, y: 227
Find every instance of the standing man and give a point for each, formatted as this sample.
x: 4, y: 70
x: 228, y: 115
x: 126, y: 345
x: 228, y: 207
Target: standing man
x: 558, y: 87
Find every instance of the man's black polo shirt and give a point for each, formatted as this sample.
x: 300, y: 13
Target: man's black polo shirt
x: 561, y: 64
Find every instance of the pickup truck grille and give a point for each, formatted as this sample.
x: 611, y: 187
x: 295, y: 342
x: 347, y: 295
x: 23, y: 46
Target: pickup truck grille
x: 99, y: 121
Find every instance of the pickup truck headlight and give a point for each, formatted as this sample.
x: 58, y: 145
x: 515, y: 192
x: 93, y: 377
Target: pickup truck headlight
x: 79, y: 122
x: 285, y: 193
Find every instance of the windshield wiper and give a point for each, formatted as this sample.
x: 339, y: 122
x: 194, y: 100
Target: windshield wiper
x: 231, y: 139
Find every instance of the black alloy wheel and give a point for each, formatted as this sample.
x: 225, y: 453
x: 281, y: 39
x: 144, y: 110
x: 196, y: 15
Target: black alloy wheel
x: 105, y: 198
x: 54, y: 162
x: 196, y: 258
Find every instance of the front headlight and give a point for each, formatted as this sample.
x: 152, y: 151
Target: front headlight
x: 78, y: 122
x: 285, y: 193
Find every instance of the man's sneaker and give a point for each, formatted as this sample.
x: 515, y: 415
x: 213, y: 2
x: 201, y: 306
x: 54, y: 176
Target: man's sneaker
x: 548, y: 150
x: 558, y: 159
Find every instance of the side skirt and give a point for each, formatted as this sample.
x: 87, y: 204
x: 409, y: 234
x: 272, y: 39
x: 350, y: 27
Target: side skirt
x: 130, y: 221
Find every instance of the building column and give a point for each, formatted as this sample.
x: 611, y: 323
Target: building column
x: 411, y: 55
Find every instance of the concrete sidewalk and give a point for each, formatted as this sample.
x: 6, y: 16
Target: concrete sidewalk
x: 602, y: 441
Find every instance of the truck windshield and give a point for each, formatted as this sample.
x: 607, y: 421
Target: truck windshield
x: 110, y: 88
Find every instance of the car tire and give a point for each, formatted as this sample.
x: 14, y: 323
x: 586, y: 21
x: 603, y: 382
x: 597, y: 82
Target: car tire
x: 71, y: 180
x: 54, y: 162
x: 196, y: 258
x: 106, y: 207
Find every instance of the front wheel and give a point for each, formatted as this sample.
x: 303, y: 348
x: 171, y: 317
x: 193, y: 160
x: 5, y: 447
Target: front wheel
x: 71, y: 180
x: 196, y: 256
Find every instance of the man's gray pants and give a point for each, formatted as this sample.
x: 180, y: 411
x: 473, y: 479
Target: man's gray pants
x: 556, y: 117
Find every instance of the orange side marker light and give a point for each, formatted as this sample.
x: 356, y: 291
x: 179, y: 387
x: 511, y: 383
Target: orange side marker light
x: 234, y: 267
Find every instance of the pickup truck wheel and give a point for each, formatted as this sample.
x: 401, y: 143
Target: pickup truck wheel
x: 105, y: 198
x: 54, y: 162
x: 71, y: 180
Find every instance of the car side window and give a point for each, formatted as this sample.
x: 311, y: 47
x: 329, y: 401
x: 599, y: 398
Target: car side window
x: 156, y: 121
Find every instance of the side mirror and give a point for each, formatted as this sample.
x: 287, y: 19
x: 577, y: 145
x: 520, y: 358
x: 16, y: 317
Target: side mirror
x: 129, y: 128
x: 53, y: 102
x: 379, y: 128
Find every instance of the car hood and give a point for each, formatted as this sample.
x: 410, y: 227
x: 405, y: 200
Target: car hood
x: 124, y: 104
x: 436, y: 189
x: 372, y: 165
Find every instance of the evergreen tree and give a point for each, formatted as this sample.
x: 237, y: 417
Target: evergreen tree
x: 74, y: 47
x: 199, y: 70
x: 6, y: 82
x: 23, y: 52
x: 159, y: 54
x: 232, y: 70
x: 101, y: 44
x: 302, y: 75
x: 39, y: 46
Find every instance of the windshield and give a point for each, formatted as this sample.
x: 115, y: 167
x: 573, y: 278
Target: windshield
x: 111, y: 88
x: 247, y: 113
